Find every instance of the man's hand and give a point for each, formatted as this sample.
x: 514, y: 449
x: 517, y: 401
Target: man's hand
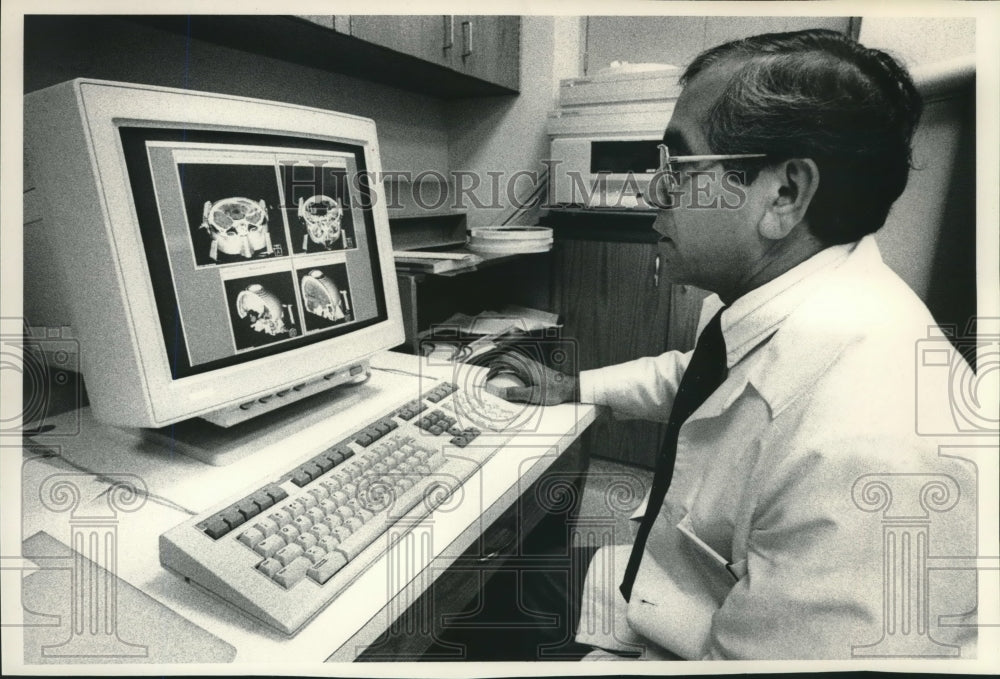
x: 542, y: 385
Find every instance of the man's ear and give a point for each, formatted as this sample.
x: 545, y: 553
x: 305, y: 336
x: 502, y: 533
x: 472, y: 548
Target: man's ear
x: 793, y: 184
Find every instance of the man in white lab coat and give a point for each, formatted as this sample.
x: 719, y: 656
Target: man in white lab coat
x: 804, y: 506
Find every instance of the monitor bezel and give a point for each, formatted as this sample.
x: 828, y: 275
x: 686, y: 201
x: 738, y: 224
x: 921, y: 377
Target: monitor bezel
x: 108, y: 106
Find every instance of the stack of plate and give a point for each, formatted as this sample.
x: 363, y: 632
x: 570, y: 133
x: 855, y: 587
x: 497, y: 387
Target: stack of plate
x: 510, y: 240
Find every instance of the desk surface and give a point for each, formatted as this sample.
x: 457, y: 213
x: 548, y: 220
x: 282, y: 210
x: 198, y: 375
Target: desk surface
x: 179, y: 487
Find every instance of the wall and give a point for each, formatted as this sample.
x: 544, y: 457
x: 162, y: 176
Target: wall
x: 677, y: 39
x: 412, y: 128
x: 920, y: 40
x: 507, y: 134
x: 929, y: 238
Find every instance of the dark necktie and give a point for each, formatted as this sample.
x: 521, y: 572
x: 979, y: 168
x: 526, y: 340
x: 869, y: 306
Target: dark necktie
x: 706, y: 371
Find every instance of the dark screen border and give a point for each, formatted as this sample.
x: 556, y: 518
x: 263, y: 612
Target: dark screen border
x: 134, y: 140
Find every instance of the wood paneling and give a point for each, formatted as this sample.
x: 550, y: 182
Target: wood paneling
x: 613, y: 311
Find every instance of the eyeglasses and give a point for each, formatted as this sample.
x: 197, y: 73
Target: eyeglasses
x: 667, y: 177
x: 667, y: 161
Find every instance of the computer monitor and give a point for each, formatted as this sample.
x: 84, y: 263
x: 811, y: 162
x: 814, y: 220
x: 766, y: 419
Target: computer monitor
x: 215, y: 256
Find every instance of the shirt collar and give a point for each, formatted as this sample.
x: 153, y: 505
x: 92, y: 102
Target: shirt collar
x: 753, y: 318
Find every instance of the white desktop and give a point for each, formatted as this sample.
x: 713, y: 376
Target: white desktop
x: 225, y: 265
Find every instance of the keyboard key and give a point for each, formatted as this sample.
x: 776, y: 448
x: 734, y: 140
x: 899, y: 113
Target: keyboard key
x: 248, y: 508
x: 263, y: 500
x: 354, y: 523
x: 301, y: 477
x: 307, y: 500
x: 251, y: 537
x: 306, y: 540
x: 316, y: 514
x: 292, y: 572
x: 435, y: 429
x: 324, y: 463
x: 289, y: 553
x: 329, y: 543
x: 215, y: 527
x: 269, y: 546
x: 288, y: 532
x: 266, y: 525
x: 364, y: 440
x: 277, y: 493
x: 233, y: 516
x: 303, y: 523
x: 320, y: 530
x: 459, y: 441
x: 295, y: 508
x: 333, y: 521
x: 326, y: 567
x: 280, y: 517
x: 315, y: 554
x: 341, y: 533
x: 269, y: 567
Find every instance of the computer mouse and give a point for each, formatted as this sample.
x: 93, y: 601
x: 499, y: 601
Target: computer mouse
x: 500, y: 384
x: 503, y: 380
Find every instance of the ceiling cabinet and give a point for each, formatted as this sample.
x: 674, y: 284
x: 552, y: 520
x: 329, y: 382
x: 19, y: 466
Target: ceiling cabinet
x: 486, y: 48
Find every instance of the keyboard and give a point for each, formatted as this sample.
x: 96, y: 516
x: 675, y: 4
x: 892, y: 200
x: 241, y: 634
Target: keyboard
x: 286, y: 547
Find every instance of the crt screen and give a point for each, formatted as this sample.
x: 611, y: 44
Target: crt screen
x: 256, y: 244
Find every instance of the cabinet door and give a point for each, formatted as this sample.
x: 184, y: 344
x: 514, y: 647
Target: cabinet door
x: 488, y: 48
x: 613, y: 310
x: 421, y: 36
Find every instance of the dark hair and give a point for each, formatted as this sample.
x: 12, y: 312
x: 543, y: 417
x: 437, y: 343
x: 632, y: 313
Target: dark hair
x: 819, y: 94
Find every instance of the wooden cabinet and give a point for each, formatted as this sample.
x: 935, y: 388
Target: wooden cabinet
x: 483, y: 47
x: 409, y: 52
x: 610, y: 305
x: 430, y: 38
x: 605, y: 290
x: 488, y: 48
x: 536, y: 526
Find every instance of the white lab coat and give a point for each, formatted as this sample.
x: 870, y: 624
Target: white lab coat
x: 771, y: 543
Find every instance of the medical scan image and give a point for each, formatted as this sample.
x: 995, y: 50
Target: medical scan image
x: 317, y: 201
x: 321, y: 216
x: 238, y: 226
x: 233, y: 211
x: 263, y: 309
x: 325, y: 296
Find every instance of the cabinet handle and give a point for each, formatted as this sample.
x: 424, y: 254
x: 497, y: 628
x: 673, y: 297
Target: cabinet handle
x: 449, y: 32
x: 656, y: 272
x: 466, y: 38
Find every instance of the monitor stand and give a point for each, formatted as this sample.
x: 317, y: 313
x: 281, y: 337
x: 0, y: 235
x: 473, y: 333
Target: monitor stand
x: 219, y: 446
x: 79, y: 437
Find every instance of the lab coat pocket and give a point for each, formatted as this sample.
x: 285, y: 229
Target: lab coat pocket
x: 725, y: 571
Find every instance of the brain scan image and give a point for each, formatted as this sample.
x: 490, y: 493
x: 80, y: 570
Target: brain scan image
x: 264, y: 311
x: 238, y: 226
x: 322, y: 297
x: 321, y: 216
